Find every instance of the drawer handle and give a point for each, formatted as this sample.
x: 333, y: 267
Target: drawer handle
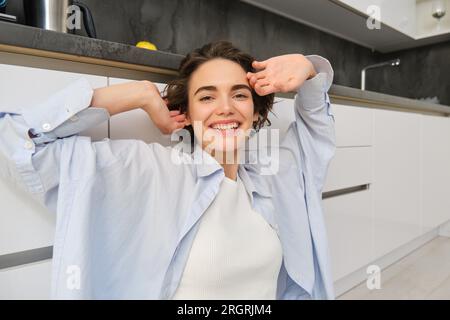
x: 24, y: 257
x: 340, y: 192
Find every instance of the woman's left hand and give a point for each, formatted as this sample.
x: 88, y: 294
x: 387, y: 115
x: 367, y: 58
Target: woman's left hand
x: 284, y: 73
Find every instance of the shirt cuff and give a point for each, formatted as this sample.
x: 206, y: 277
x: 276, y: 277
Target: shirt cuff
x: 322, y: 65
x: 61, y: 106
x: 313, y: 92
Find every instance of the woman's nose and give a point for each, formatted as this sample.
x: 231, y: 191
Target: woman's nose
x: 225, y: 106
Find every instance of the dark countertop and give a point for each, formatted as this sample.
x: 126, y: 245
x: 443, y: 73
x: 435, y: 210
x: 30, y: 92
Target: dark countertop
x: 20, y: 36
x: 34, y: 38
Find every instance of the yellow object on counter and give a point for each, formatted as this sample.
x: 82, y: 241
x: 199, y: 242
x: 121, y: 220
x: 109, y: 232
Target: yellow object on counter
x: 146, y: 45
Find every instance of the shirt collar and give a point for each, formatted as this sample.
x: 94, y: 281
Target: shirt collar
x: 207, y: 165
x: 204, y: 162
x: 248, y: 174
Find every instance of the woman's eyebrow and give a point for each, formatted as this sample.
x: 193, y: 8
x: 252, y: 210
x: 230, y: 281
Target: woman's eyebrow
x: 214, y: 88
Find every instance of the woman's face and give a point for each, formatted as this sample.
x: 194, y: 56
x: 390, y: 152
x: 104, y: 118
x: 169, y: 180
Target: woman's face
x: 220, y: 105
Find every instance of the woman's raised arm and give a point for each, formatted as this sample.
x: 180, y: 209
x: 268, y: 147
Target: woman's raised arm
x: 143, y: 94
x: 39, y: 143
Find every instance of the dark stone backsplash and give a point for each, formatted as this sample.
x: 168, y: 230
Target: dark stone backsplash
x: 179, y: 26
x: 424, y: 72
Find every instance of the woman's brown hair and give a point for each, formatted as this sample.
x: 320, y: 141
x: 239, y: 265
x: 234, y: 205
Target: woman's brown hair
x: 176, y: 91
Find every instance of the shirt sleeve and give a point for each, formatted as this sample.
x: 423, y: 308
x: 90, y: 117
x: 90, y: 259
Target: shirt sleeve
x: 315, y: 122
x: 32, y: 138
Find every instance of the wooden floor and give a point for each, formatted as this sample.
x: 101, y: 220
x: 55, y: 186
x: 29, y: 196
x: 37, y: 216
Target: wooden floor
x: 423, y: 274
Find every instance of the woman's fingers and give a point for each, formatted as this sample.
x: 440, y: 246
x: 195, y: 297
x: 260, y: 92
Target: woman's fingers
x: 264, y: 90
x: 178, y: 125
x: 262, y: 83
x: 180, y: 117
x: 255, y: 77
x: 258, y: 75
x: 259, y: 64
x: 176, y: 116
x: 174, y: 112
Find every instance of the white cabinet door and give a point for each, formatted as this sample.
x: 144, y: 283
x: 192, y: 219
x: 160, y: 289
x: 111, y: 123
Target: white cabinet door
x: 396, y: 185
x: 25, y: 87
x: 350, y: 167
x: 348, y: 219
x: 24, y: 224
x: 31, y: 281
x: 136, y: 124
x: 398, y: 14
x: 353, y: 125
x: 435, y: 171
x: 282, y: 115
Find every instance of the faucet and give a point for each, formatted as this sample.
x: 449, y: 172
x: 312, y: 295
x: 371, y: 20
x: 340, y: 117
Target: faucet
x: 393, y: 63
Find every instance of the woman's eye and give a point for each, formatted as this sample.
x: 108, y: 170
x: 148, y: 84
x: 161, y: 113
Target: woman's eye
x: 206, y: 98
x: 241, y: 96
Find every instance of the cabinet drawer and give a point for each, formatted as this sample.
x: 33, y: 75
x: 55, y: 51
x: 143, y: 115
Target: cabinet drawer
x: 31, y: 281
x: 24, y: 223
x: 435, y: 163
x: 350, y: 167
x: 349, y: 223
x: 353, y: 125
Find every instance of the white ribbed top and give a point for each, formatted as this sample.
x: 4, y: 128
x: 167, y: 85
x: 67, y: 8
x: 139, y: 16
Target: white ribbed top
x: 235, y: 255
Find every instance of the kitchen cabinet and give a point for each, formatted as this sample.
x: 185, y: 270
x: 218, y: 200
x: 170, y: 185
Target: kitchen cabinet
x: 349, y: 216
x: 435, y: 168
x: 25, y: 86
x: 406, y: 165
x: 350, y: 167
x: 31, y: 281
x: 404, y: 23
x: 136, y: 124
x: 282, y: 115
x: 426, y: 25
x: 352, y: 164
x: 398, y: 14
x: 349, y: 222
x: 353, y: 125
x: 25, y: 224
x: 411, y: 17
x: 396, y: 184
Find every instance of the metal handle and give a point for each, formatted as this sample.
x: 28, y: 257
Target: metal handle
x: 340, y: 192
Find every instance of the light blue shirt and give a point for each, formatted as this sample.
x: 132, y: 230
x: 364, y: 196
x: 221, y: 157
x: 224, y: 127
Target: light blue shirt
x: 127, y: 211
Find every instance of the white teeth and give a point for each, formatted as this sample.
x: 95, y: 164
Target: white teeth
x: 227, y: 126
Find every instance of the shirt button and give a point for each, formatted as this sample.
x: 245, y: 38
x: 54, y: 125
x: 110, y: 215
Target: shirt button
x: 46, y: 126
x: 28, y: 145
x: 74, y: 118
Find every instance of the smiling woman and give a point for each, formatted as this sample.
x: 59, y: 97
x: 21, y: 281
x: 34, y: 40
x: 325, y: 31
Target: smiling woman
x: 143, y: 221
x: 213, y: 89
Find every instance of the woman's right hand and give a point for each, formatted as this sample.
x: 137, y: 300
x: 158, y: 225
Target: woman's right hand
x: 156, y: 107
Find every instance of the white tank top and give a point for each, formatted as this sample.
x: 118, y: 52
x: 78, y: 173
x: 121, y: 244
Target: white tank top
x: 235, y: 254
